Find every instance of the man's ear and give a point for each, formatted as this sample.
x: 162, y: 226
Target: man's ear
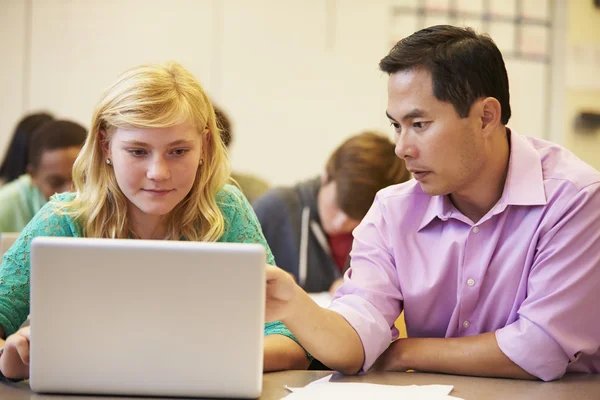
x: 491, y: 114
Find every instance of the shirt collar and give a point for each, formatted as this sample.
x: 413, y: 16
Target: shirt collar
x: 525, y: 181
x: 524, y: 184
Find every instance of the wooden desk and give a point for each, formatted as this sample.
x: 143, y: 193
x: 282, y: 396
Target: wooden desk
x: 581, y: 386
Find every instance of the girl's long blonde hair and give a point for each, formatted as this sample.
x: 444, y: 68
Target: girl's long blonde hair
x: 149, y: 96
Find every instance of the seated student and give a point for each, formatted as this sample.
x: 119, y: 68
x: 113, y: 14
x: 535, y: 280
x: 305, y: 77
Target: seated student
x: 52, y: 152
x: 153, y: 167
x: 493, y: 251
x: 309, y: 226
x: 15, y: 162
x: 252, y: 186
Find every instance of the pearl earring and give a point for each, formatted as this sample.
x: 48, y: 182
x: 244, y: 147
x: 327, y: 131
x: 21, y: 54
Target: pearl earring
x: 201, y: 162
x: 108, y: 161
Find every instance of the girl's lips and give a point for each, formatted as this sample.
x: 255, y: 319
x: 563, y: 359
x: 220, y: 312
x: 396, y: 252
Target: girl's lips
x: 157, y: 192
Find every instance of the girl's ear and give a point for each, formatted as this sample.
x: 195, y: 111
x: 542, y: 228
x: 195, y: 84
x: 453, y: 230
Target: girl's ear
x: 206, y: 143
x: 103, y: 137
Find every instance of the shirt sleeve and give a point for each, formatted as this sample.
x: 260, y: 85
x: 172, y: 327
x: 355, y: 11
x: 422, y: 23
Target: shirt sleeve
x: 557, y: 320
x: 15, y: 272
x: 278, y: 328
x: 370, y: 298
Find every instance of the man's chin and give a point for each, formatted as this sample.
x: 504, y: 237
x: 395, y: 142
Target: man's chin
x: 432, y: 190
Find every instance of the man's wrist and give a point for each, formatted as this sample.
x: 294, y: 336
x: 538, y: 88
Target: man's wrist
x: 297, y: 307
x: 398, y: 357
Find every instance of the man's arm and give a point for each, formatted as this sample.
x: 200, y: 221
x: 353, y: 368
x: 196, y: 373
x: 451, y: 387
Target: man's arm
x: 358, y: 326
x: 477, y: 355
x: 323, y: 333
x: 282, y: 353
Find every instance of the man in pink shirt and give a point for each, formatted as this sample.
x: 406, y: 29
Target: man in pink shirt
x: 492, y: 251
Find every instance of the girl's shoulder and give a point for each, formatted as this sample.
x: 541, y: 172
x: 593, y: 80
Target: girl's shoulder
x: 55, y: 215
x: 230, y: 195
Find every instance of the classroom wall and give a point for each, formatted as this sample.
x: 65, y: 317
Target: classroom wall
x: 12, y: 56
x: 583, y: 29
x: 297, y: 78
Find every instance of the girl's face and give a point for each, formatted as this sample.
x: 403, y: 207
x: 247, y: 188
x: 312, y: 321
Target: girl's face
x: 155, y: 168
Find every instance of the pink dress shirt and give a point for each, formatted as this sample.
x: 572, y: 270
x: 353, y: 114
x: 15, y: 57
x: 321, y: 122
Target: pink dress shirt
x: 529, y: 270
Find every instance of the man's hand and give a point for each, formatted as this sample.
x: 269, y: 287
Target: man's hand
x: 323, y: 333
x: 281, y: 291
x: 14, y: 362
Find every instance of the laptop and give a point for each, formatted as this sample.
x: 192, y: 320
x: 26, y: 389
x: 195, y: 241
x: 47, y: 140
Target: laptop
x: 6, y: 240
x: 149, y: 318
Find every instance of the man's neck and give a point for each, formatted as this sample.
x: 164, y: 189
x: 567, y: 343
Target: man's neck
x: 481, y: 196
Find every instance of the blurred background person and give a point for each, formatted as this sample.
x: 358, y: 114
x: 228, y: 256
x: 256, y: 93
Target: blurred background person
x: 15, y: 161
x: 252, y: 186
x: 309, y: 226
x: 53, y: 150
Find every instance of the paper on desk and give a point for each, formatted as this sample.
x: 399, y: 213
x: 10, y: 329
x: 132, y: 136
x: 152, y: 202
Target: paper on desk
x: 323, y: 388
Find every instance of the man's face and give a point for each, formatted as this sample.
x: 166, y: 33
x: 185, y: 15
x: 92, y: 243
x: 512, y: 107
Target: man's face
x: 333, y: 219
x: 54, y: 172
x: 442, y: 151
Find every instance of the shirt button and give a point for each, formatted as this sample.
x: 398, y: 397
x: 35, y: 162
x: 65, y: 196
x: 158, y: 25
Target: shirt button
x: 475, y: 229
x: 466, y: 324
x: 471, y: 282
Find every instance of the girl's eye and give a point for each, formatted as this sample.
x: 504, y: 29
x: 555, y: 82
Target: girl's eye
x: 180, y: 152
x: 137, y: 152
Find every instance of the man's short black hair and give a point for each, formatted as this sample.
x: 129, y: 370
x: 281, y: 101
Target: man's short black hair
x: 464, y: 66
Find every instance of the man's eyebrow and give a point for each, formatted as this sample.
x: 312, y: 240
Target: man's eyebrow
x: 414, y: 113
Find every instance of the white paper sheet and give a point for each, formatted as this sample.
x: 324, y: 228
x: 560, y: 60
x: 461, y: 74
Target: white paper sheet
x: 324, y: 389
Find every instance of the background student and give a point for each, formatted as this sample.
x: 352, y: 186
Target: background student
x: 16, y: 159
x: 52, y: 151
x: 309, y: 226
